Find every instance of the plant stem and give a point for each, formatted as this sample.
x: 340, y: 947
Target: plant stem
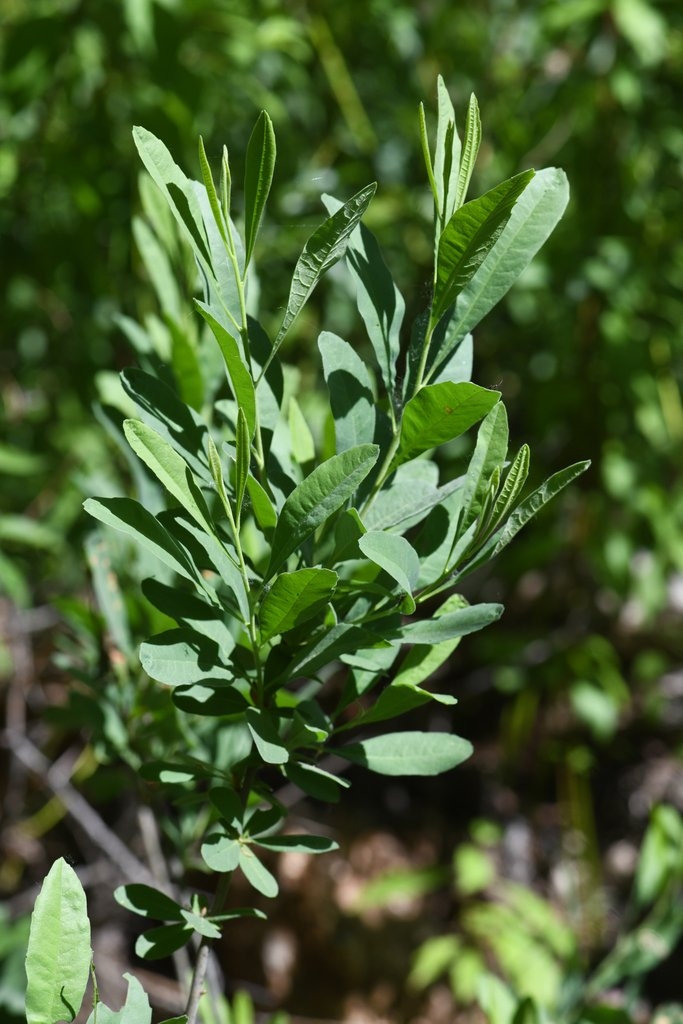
x: 204, y: 952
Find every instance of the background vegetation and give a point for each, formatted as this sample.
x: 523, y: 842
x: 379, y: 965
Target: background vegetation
x: 574, y: 702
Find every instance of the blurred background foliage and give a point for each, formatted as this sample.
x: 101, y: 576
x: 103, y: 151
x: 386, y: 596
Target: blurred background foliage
x: 577, y: 691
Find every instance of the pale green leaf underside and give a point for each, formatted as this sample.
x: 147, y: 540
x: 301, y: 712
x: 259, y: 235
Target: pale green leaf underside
x: 59, y: 954
x: 409, y: 753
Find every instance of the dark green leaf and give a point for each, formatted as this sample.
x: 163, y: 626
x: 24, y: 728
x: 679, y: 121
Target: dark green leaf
x: 238, y: 373
x: 489, y: 454
x: 293, y: 598
x: 148, y: 902
x: 351, y: 397
x: 469, y: 152
x: 213, y: 699
x: 258, y: 175
x: 322, y: 250
x: 468, y: 238
x: 161, y: 942
x: 316, y: 498
x: 315, y: 781
x: 439, y: 413
x: 131, y: 518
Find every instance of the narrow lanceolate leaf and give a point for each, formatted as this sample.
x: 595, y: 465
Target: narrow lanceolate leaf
x: 298, y: 844
x: 468, y: 237
x: 446, y: 156
x: 210, y: 187
x: 524, y: 512
x: 177, y: 189
x: 217, y: 474
x: 240, y: 379
x: 351, y: 397
x: 426, y: 155
x: 379, y: 301
x: 243, y: 456
x: 489, y: 455
x: 449, y: 626
x: 396, y: 556
x: 294, y: 598
x: 258, y: 176
x: 511, y: 489
x: 470, y: 151
x: 170, y: 469
x: 58, y: 955
x: 322, y: 250
x: 535, y: 502
x: 439, y: 413
x: 533, y: 218
x: 315, y: 499
x: 135, y: 1010
x: 409, y: 753
x: 131, y: 518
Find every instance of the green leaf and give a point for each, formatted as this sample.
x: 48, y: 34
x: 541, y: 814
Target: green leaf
x: 439, y: 413
x: 470, y: 151
x: 316, y: 782
x: 162, y: 409
x: 446, y: 155
x: 298, y: 844
x: 257, y: 873
x: 293, y: 598
x: 424, y: 659
x: 468, y: 237
x: 228, y: 805
x: 263, y: 726
x: 158, y: 268
x: 409, y: 753
x: 263, y: 508
x: 379, y: 301
x: 148, y: 902
x: 397, y: 699
x: 315, y: 499
x: 396, y: 556
x: 341, y: 639
x: 533, y: 218
x: 489, y: 455
x: 58, y: 955
x: 210, y: 187
x: 169, y: 468
x: 191, y: 611
x: 207, y: 548
x: 322, y: 250
x: 511, y: 489
x: 201, y: 925
x: 221, y: 852
x: 258, y: 176
x: 238, y: 373
x: 351, y: 397
x: 181, y: 656
x: 161, y: 942
x: 136, y: 1009
x: 131, y: 518
x: 176, y: 188
x: 451, y: 625
x: 530, y: 507
x: 301, y: 438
